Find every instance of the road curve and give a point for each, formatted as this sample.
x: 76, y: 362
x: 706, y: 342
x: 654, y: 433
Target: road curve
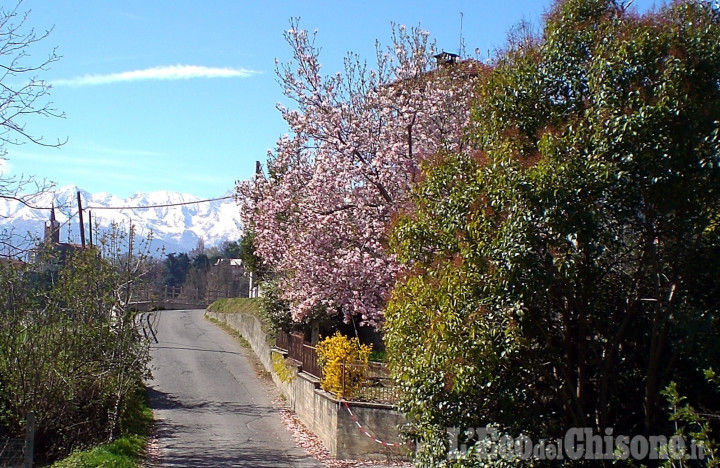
x: 210, y: 407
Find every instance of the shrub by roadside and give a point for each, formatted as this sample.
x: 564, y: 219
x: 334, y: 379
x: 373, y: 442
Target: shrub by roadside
x: 70, y: 351
x: 126, y: 451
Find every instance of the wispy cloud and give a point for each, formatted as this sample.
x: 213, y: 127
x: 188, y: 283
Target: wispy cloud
x: 171, y: 72
x: 94, y: 149
x: 97, y: 164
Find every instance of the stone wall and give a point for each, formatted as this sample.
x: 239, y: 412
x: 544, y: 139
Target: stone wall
x: 323, y: 414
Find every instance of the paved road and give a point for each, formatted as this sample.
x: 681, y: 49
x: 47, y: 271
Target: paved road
x: 211, y: 409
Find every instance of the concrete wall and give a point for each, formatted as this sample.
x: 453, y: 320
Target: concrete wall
x: 323, y: 414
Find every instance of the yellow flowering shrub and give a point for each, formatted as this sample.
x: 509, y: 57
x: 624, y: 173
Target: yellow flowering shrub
x: 337, y: 352
x: 282, y: 370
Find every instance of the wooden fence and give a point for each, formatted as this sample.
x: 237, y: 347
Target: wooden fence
x: 299, y: 350
x: 377, y: 385
x: 12, y: 452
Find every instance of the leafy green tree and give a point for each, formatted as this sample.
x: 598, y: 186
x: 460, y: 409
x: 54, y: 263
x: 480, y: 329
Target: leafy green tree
x: 566, y: 271
x: 250, y: 258
x: 195, y: 280
x: 176, y: 269
x: 200, y: 262
x: 195, y: 284
x: 275, y: 309
x: 232, y: 250
x: 688, y: 421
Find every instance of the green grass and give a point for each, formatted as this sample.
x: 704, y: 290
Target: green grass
x: 378, y: 355
x: 235, y: 305
x: 125, y: 452
x: 244, y: 305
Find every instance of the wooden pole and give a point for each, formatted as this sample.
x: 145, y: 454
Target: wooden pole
x: 82, y: 225
x: 90, y: 226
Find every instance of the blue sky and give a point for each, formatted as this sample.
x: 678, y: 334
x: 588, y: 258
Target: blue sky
x: 180, y: 95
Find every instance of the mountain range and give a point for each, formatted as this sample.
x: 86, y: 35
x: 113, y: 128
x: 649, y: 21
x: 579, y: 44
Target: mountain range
x: 175, y: 228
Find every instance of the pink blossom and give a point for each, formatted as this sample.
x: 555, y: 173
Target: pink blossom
x: 322, y: 213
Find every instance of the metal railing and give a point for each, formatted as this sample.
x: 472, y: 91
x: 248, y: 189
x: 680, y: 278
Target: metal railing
x: 375, y: 386
x: 19, y: 452
x: 12, y: 452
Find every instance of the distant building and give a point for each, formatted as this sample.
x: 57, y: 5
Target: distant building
x: 240, y: 275
x: 10, y: 262
x: 237, y: 269
x: 446, y: 58
x: 52, y: 228
x: 50, y: 254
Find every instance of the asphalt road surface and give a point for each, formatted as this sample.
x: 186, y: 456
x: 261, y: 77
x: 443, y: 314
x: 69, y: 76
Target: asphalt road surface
x: 211, y: 408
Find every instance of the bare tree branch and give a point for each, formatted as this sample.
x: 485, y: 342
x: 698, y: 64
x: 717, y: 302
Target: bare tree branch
x: 22, y: 96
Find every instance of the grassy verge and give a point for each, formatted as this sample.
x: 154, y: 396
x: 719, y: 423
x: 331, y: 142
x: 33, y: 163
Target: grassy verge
x: 128, y: 450
x: 244, y: 305
x: 235, y: 305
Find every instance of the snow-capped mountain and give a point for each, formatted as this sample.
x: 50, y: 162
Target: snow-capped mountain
x: 176, y: 228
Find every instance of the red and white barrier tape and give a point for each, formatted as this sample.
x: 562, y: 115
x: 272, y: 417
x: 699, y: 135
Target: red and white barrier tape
x: 364, y: 431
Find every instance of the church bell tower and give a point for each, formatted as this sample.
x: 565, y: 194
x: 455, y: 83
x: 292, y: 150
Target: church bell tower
x: 52, y: 228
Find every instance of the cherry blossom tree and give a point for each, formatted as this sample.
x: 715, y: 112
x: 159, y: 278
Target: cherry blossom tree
x: 357, y: 141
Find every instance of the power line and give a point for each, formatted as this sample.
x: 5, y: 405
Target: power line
x: 70, y: 215
x: 147, y: 207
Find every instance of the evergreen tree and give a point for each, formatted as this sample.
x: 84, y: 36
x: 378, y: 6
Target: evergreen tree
x: 566, y: 271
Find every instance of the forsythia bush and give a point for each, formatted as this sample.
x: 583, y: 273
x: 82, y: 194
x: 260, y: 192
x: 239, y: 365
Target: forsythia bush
x: 333, y: 352
x: 284, y: 373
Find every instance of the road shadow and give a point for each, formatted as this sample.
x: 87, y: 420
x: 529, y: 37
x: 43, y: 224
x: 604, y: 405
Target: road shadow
x: 218, y: 351
x: 230, y: 456
x: 208, y: 411
x: 178, y: 452
x: 160, y: 400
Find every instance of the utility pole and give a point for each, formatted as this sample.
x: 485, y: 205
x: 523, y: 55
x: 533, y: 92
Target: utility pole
x: 90, y: 227
x: 82, y: 225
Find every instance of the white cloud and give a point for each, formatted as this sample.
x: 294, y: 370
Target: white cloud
x: 90, y: 164
x: 89, y: 147
x: 171, y: 72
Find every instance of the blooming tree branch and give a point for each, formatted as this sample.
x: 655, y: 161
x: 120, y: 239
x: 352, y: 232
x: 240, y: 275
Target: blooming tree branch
x: 355, y: 147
